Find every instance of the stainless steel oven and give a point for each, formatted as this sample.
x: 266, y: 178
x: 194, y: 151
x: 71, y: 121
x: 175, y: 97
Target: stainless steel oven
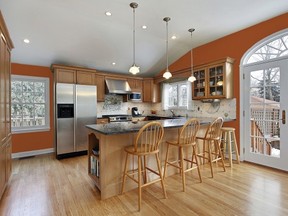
x: 118, y: 118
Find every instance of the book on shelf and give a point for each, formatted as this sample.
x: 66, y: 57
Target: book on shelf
x: 95, y: 166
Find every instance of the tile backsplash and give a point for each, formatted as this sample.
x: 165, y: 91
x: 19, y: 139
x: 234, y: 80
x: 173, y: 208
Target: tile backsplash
x: 114, y: 104
x: 225, y: 108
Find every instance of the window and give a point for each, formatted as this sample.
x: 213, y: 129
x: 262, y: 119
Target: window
x: 272, y: 49
x: 175, y: 95
x: 29, y: 103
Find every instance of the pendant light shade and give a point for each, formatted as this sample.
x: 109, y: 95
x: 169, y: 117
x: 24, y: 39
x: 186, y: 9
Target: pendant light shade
x: 134, y: 69
x: 192, y: 78
x: 167, y: 74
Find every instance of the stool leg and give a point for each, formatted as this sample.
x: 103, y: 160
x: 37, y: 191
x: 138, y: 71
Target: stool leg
x: 224, y: 136
x: 166, y: 161
x: 144, y: 169
x: 124, y: 174
x: 196, y: 161
x: 236, y: 148
x: 139, y: 183
x: 229, y: 148
x: 221, y: 154
x: 182, y: 167
x: 210, y: 158
x: 161, y: 176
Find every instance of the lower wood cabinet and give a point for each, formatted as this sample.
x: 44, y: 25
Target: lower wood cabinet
x: 2, y: 169
x: 5, y: 164
x: 102, y: 121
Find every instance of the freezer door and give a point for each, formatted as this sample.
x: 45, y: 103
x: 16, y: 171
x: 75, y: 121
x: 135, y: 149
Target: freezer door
x: 86, y: 113
x: 65, y: 135
x: 65, y: 93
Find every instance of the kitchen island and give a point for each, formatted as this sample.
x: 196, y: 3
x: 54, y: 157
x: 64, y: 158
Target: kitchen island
x: 107, y: 157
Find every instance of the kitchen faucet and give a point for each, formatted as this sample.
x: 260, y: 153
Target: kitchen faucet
x: 173, y: 113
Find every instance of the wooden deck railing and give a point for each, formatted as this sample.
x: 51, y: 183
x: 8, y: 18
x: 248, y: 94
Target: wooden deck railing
x: 259, y: 144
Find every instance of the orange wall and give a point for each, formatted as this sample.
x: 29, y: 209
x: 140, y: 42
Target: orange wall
x: 37, y: 140
x: 234, y: 45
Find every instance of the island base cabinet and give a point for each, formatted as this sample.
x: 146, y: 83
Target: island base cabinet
x: 111, y: 160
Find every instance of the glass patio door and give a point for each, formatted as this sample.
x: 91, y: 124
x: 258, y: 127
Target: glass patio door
x: 265, y: 110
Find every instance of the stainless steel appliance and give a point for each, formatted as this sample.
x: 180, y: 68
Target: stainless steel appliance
x: 118, y: 118
x: 135, y: 97
x: 75, y: 107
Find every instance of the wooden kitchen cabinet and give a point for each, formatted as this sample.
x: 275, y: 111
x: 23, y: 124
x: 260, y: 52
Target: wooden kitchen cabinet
x: 85, y: 77
x: 100, y: 83
x: 65, y: 75
x: 151, y: 91
x: 6, y: 46
x: 213, y: 80
x: 135, y: 84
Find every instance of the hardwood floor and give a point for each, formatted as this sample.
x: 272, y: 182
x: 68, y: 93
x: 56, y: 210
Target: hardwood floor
x: 43, y: 185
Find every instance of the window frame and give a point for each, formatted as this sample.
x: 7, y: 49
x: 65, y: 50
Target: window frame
x: 165, y: 97
x: 27, y: 129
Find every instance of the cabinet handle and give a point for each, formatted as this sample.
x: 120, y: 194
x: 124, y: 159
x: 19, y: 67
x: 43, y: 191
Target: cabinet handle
x: 283, y: 117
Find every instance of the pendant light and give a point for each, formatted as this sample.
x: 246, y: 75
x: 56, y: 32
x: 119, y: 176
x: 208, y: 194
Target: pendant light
x: 134, y: 69
x: 192, y: 78
x: 167, y: 73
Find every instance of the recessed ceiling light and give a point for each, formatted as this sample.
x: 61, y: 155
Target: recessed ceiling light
x: 144, y: 27
x: 113, y: 63
x: 108, y: 13
x: 26, y: 41
x: 173, y: 37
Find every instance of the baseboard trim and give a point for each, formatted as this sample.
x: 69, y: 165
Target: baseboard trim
x: 32, y: 153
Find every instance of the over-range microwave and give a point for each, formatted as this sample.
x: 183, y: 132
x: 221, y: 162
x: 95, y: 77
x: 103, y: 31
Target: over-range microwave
x: 135, y: 97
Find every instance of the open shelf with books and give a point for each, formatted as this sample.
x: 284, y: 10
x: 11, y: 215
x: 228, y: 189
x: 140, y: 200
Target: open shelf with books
x: 94, y: 160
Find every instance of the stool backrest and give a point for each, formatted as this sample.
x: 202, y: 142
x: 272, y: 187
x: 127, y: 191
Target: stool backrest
x: 214, y: 129
x: 187, y: 134
x: 149, y: 137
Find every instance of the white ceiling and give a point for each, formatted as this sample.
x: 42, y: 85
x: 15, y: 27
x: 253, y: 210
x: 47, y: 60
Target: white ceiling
x: 75, y: 32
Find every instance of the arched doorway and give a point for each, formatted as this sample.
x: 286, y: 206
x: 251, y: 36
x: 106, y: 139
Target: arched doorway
x: 264, y: 102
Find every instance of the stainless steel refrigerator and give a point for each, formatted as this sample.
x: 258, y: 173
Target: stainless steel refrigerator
x: 76, y: 106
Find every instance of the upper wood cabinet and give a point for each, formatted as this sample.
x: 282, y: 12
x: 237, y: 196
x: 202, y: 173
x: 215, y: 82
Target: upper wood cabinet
x: 6, y: 46
x: 65, y: 75
x: 85, y: 77
x: 135, y: 84
x: 151, y: 91
x: 100, y: 83
x: 213, y: 80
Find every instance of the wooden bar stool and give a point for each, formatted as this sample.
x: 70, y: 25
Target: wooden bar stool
x: 186, y: 138
x: 146, y: 144
x: 229, y: 139
x: 212, y: 139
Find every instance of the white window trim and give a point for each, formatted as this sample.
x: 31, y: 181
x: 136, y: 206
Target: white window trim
x: 16, y: 130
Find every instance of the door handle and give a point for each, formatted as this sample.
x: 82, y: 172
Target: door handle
x: 283, y: 117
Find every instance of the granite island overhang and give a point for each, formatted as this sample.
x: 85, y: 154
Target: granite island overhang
x: 106, y: 144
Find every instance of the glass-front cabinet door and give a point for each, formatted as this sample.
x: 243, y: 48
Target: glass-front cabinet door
x: 199, y: 90
x: 216, y: 81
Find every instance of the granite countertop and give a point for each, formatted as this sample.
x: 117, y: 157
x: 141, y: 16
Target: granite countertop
x: 130, y: 127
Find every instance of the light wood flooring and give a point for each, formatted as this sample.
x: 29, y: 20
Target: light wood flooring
x: 43, y: 185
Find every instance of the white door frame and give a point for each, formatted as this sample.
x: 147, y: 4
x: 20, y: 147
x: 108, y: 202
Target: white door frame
x: 242, y: 85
